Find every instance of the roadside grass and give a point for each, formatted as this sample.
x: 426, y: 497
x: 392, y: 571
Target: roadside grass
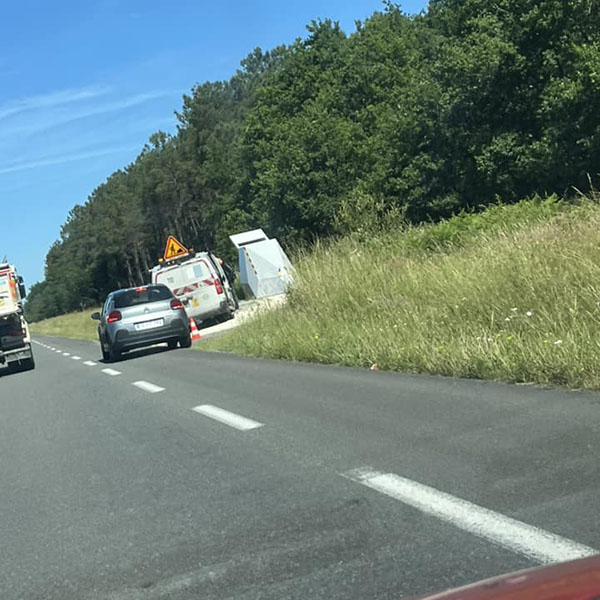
x: 77, y: 325
x: 510, y: 294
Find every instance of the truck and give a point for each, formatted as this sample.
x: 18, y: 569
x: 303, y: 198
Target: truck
x: 15, y: 342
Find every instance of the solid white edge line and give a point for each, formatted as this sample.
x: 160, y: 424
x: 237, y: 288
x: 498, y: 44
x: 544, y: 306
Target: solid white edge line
x: 226, y: 417
x: 519, y: 537
x: 148, y: 387
x: 111, y: 372
x: 89, y: 363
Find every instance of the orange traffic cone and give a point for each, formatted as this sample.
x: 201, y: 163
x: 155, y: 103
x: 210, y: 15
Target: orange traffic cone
x: 194, y: 331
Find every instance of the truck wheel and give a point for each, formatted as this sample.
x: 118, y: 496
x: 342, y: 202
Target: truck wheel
x: 186, y: 342
x: 28, y: 364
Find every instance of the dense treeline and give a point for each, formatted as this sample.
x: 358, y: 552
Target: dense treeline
x: 473, y: 102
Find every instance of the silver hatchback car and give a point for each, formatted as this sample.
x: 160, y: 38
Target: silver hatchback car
x: 142, y: 316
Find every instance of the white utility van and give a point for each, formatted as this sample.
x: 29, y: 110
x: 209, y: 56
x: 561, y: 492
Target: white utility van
x: 199, y: 281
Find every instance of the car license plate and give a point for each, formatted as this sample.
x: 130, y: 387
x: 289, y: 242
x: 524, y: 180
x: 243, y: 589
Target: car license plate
x: 149, y: 324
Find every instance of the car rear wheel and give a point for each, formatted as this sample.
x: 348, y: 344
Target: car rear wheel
x: 186, y: 342
x: 113, y: 354
x: 105, y: 355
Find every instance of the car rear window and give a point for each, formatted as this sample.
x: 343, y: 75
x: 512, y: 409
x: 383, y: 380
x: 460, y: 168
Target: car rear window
x: 142, y: 295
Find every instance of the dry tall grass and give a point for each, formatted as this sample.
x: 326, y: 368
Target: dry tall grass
x: 511, y: 294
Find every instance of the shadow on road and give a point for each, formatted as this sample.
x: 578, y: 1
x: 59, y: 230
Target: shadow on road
x: 133, y: 354
x: 5, y: 371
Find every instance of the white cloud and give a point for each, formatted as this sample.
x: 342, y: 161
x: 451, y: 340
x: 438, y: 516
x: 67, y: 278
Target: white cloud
x: 65, y: 158
x: 57, y: 114
x: 52, y: 99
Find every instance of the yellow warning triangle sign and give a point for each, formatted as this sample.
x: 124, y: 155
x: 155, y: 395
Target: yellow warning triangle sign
x: 174, y: 248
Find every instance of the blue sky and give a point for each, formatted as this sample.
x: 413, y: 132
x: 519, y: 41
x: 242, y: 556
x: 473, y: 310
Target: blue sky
x: 84, y: 84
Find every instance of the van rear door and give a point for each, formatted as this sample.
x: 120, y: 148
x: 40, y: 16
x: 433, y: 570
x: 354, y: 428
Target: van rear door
x: 200, y: 284
x: 193, y: 282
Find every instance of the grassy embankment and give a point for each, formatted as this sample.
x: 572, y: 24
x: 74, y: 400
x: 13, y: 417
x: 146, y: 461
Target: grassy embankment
x: 77, y: 325
x: 511, y: 294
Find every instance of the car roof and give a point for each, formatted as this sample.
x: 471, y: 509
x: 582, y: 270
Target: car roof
x: 137, y: 287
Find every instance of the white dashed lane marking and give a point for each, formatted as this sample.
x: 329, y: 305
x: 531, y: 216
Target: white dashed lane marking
x: 148, y: 387
x: 76, y: 357
x: 519, y: 537
x: 66, y: 354
x: 229, y: 418
x: 89, y: 363
x: 111, y: 372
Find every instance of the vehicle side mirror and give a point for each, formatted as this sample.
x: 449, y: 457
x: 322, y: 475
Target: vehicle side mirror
x: 96, y: 316
x: 22, y: 290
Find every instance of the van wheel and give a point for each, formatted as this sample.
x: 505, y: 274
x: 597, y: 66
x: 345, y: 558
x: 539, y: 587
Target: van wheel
x: 186, y: 342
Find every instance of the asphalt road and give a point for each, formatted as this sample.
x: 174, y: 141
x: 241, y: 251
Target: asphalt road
x: 288, y: 481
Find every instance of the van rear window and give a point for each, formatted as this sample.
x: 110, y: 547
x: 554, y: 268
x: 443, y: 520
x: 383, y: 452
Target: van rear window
x: 184, y: 274
x: 201, y: 271
x: 143, y: 295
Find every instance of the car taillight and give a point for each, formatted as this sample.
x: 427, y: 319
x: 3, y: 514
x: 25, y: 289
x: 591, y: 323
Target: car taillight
x: 176, y: 304
x: 218, y: 286
x: 114, y: 316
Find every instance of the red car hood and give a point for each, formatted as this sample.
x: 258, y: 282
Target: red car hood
x: 576, y: 580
